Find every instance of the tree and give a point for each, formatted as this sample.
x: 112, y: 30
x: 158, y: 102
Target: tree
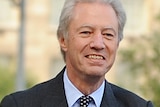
x: 142, y: 60
x: 7, y: 80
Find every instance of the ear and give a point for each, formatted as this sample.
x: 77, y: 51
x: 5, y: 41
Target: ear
x: 63, y: 43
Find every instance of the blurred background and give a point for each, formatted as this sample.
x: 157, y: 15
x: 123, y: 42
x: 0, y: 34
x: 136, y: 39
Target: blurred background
x: 30, y: 54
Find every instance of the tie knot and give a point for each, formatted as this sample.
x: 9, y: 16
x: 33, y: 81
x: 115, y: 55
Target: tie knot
x: 85, y: 100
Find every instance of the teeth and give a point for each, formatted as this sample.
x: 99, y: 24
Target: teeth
x: 95, y: 57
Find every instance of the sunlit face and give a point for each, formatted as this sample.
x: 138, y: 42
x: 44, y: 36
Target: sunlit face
x: 93, y: 40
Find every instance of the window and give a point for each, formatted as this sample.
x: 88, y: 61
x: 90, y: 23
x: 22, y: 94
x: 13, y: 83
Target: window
x: 136, y: 17
x: 8, y: 14
x: 56, y: 7
x: 5, y: 11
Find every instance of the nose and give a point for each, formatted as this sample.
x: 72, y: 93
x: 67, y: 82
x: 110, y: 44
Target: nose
x: 97, y: 42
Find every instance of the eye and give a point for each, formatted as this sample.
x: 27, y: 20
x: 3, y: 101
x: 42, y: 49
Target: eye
x: 86, y: 32
x: 108, y: 34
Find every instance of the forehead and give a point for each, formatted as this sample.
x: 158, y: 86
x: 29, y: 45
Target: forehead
x: 92, y: 6
x: 96, y: 14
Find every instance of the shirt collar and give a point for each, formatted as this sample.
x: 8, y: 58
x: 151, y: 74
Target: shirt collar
x: 98, y: 94
x: 73, y: 94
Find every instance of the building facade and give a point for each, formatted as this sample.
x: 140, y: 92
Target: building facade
x: 42, y: 57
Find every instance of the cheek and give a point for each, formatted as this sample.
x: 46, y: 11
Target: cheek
x: 74, y: 47
x: 78, y: 43
x: 112, y: 48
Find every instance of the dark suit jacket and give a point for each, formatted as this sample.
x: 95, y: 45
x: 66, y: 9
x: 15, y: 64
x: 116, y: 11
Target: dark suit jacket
x: 52, y: 94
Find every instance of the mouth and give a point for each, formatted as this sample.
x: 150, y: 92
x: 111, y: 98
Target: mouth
x: 97, y: 57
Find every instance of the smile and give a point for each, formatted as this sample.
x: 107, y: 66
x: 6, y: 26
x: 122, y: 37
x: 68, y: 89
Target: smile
x: 95, y: 57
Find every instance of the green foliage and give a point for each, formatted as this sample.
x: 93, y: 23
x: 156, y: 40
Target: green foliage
x: 142, y: 60
x: 6, y: 82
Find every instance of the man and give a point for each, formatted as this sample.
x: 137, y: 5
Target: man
x: 89, y: 34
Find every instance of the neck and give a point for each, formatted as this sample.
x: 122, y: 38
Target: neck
x: 85, y: 84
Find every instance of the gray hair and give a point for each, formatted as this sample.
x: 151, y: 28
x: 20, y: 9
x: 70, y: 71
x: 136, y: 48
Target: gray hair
x: 67, y: 14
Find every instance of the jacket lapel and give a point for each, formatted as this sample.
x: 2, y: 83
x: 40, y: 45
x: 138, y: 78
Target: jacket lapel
x: 108, y: 99
x: 55, y: 94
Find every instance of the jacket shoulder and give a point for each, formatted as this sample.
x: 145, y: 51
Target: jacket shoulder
x: 128, y: 98
x: 34, y: 96
x: 29, y: 96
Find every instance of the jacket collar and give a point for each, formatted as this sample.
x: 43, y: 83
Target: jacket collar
x: 108, y: 99
x: 56, y: 94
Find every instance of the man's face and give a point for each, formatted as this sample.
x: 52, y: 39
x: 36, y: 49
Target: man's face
x: 92, y: 41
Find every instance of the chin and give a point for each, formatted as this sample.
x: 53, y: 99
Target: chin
x: 95, y: 71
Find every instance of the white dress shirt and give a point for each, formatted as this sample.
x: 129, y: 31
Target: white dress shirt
x: 73, y: 94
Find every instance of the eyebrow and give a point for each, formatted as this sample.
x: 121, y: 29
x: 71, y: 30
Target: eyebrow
x: 86, y: 26
x: 109, y: 28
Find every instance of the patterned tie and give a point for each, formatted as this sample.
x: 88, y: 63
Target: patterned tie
x: 85, y: 100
